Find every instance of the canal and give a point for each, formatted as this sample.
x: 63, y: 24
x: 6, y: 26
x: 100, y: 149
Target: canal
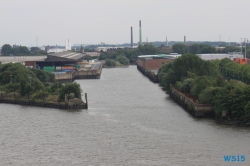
x: 130, y: 121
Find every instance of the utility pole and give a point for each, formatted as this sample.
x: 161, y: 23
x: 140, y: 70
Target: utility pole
x: 245, y: 40
x: 241, y: 45
x: 220, y: 40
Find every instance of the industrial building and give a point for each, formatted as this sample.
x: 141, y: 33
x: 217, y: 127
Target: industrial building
x: 57, y: 59
x: 149, y: 64
x: 68, y: 66
x: 220, y: 56
x: 154, y: 62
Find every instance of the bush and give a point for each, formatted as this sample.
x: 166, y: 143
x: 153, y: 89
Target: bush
x: 40, y: 95
x: 207, y: 95
x: 25, y: 88
x: 187, y: 85
x: 71, y: 88
x: 110, y: 62
x: 12, y: 87
x: 122, y: 59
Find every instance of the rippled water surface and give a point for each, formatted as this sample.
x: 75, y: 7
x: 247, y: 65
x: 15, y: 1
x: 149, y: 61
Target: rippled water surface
x: 130, y: 121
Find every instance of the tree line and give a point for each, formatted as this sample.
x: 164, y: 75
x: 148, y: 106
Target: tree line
x: 130, y: 54
x: 204, y: 80
x: 179, y: 48
x: 8, y: 50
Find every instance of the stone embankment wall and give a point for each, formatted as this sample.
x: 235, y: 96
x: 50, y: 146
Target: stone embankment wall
x: 197, y: 110
x: 14, y: 98
x: 151, y: 75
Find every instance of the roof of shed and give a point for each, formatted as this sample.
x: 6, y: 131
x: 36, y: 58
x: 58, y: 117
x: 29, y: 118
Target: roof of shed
x: 68, y: 55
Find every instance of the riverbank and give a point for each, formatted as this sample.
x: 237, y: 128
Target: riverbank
x: 197, y: 110
x: 151, y: 74
x: 204, y: 110
x: 14, y: 98
x: 237, y: 123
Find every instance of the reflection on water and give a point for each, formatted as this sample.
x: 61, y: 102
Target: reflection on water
x: 130, y: 121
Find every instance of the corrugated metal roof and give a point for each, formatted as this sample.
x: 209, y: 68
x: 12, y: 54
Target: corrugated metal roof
x: 68, y: 55
x: 160, y: 56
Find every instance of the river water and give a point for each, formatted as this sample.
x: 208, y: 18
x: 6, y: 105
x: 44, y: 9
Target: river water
x: 130, y: 121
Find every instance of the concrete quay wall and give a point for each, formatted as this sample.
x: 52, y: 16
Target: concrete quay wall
x: 197, y: 110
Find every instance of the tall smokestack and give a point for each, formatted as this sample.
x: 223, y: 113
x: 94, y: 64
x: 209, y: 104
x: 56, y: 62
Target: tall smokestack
x: 140, y: 41
x: 167, y: 41
x: 131, y: 37
x: 184, y: 40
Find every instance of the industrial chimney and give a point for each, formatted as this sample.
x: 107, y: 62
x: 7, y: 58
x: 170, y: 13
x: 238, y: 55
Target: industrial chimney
x: 184, y: 40
x: 140, y: 41
x: 131, y: 37
x: 166, y: 41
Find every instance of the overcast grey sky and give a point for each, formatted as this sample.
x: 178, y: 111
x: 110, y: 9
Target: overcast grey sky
x: 109, y: 21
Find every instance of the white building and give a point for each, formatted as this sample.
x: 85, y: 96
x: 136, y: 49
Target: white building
x: 104, y: 49
x: 56, y: 50
x: 68, y: 44
x: 220, y: 56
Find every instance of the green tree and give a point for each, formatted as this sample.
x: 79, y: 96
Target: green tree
x: 110, y: 62
x: 179, y: 48
x: 43, y: 52
x: 6, y: 50
x: 34, y: 49
x: 24, y: 50
x: 187, y: 85
x: 122, y: 59
x: 15, y: 51
x: 38, y: 85
x: 71, y: 88
x: 207, y: 95
x: 25, y: 88
x: 201, y: 49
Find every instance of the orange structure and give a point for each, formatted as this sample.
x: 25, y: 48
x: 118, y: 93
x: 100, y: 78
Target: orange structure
x: 241, y: 61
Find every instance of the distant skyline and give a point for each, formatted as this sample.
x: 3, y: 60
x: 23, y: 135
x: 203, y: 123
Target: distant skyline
x: 109, y: 21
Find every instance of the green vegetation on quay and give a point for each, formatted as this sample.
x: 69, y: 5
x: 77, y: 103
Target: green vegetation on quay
x: 204, y: 82
x: 37, y: 85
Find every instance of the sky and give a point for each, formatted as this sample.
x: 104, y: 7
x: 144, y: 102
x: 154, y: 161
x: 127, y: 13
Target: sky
x: 51, y: 22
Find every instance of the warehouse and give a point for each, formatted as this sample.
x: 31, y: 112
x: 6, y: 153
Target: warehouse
x: 153, y: 62
x: 60, y: 59
x: 149, y: 64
